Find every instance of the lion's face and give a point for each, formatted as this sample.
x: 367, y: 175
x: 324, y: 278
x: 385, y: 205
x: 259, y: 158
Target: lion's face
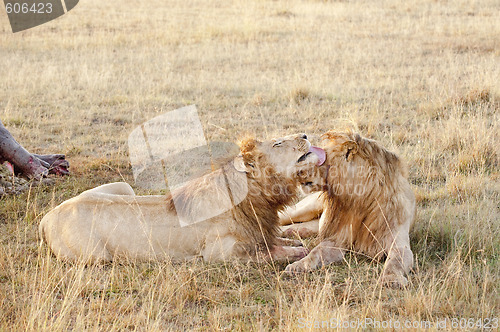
x: 341, y: 164
x: 284, y: 155
x: 288, y: 153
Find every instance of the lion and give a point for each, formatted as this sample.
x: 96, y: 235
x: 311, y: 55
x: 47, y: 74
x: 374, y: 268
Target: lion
x: 231, y: 213
x: 367, y: 206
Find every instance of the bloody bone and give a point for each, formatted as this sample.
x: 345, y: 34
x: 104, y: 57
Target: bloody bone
x: 30, y: 165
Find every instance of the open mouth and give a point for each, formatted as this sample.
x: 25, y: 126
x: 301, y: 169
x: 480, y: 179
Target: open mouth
x: 303, y: 157
x: 319, y: 152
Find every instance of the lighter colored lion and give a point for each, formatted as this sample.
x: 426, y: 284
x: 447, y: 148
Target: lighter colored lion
x: 231, y: 213
x: 367, y: 206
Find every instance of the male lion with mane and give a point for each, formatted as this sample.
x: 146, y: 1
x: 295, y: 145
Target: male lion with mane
x: 110, y: 221
x: 367, y: 204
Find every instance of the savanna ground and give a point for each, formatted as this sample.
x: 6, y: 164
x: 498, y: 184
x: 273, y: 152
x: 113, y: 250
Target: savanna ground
x: 420, y: 77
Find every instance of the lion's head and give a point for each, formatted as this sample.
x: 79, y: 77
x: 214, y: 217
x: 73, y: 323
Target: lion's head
x: 353, y: 165
x: 283, y: 156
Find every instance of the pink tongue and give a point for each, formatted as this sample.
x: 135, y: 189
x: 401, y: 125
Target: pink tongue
x: 320, y: 153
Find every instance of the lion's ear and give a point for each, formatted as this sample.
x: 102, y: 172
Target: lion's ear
x: 328, y: 135
x: 350, y: 148
x: 239, y: 164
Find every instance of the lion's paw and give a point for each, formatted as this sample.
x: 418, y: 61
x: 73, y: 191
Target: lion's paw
x: 296, y: 267
x: 395, y: 281
x: 301, y: 233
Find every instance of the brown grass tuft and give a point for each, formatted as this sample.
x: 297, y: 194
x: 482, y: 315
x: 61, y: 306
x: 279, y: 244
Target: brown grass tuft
x: 474, y: 96
x: 298, y: 95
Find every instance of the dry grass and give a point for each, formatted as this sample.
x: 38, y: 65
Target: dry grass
x: 421, y: 78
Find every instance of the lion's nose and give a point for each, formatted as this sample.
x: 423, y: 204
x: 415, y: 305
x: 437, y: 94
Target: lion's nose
x: 304, y: 136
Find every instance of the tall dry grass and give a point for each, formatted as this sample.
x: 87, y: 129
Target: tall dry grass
x: 422, y: 78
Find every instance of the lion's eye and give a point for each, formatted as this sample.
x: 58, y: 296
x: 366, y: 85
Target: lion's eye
x: 276, y: 144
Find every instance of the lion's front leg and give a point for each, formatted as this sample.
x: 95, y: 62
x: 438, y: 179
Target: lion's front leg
x: 307, y: 209
x: 399, y: 259
x: 301, y: 230
x: 399, y: 262
x: 323, y: 254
